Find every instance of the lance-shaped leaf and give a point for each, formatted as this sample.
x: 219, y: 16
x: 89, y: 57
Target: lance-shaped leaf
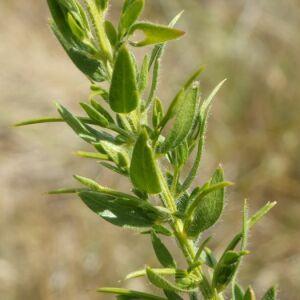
x: 249, y: 295
x: 158, y: 112
x: 111, y: 33
x: 210, y: 208
x: 123, y: 94
x: 140, y: 273
x: 209, y: 258
x: 129, y: 293
x: 200, y: 135
x: 143, y: 170
x: 271, y: 294
x: 162, y: 253
x: 102, y: 111
x: 72, y: 121
x: 175, y: 105
x: 122, y: 211
x: 75, y: 28
x: 95, y: 115
x: 144, y: 75
x: 184, y: 119
x: 159, y: 229
x: 226, y: 268
x: 161, y: 282
x: 238, y: 292
x: 260, y: 214
x: 92, y: 155
x: 154, y: 34
x: 131, y: 11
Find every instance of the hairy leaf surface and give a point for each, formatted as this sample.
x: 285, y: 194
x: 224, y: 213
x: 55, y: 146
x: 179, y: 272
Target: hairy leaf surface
x: 123, y: 94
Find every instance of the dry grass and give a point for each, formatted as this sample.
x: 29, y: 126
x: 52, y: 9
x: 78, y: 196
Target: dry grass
x: 54, y: 248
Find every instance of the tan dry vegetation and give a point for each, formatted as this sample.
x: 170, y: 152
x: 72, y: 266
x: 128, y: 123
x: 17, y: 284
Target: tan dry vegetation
x: 54, y: 248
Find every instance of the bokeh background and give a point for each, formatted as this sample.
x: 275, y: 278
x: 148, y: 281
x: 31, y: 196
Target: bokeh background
x: 54, y: 248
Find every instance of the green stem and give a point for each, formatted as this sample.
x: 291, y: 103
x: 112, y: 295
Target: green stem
x: 185, y: 244
x: 97, y: 18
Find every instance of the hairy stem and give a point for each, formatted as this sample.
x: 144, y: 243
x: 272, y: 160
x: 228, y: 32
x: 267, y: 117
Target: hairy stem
x: 184, y: 243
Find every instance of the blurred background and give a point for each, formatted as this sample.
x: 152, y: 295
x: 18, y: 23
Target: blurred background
x: 54, y: 248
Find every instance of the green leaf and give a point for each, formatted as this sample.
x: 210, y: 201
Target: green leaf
x: 238, y: 292
x: 94, y: 186
x: 131, y: 11
x: 172, y: 295
x: 66, y: 191
x: 163, y: 283
x: 111, y: 32
x: 72, y: 121
x: 92, y: 155
x: 271, y: 294
x: 226, y: 269
x: 59, y: 18
x: 210, y: 208
x: 206, y: 104
x: 98, y: 91
x: 102, y: 111
x: 91, y: 67
x: 175, y: 105
x: 91, y: 184
x: 123, y: 94
x: 94, y: 69
x: 75, y: 28
x: 154, y: 34
x: 124, y: 212
x: 162, y: 253
x: 140, y: 273
x: 120, y: 171
x: 134, y: 294
x: 158, y: 50
x: 159, y: 229
x: 143, y: 170
x: 184, y: 118
x: 249, y: 295
x: 144, y: 75
x: 201, y: 248
x: 202, y: 121
x: 208, y: 258
x: 116, y: 153
x: 260, y: 214
x: 158, y: 112
x: 95, y: 115
x: 102, y: 4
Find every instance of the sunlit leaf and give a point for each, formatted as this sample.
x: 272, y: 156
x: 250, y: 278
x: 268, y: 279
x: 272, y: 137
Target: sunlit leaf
x: 162, y: 253
x: 123, y: 94
x: 131, y: 11
x: 143, y: 169
x: 122, y: 212
x: 154, y: 34
x: 184, y: 118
